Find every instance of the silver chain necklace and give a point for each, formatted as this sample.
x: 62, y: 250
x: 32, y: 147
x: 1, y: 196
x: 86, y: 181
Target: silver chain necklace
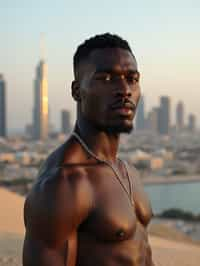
x: 84, y: 145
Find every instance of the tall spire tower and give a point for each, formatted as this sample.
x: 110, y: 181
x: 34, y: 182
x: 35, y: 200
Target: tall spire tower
x: 2, y: 106
x: 40, y: 111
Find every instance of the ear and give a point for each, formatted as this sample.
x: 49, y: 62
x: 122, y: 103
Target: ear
x: 76, y: 90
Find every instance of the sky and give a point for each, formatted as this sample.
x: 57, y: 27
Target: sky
x: 164, y: 36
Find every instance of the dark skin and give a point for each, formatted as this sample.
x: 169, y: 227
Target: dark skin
x: 78, y: 213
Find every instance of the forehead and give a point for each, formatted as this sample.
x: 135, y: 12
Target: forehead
x: 115, y: 59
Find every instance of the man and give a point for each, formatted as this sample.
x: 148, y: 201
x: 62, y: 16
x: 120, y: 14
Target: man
x: 88, y: 208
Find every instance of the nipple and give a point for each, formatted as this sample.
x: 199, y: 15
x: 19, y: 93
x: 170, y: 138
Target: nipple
x: 120, y: 233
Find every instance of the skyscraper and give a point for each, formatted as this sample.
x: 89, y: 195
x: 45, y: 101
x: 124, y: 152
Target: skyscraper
x: 179, y: 116
x: 2, y: 106
x: 164, y: 115
x: 65, y: 122
x: 40, y: 110
x: 191, y: 123
x: 152, y: 120
x: 140, y: 116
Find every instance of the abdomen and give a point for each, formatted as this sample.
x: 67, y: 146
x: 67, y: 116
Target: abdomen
x: 114, y: 253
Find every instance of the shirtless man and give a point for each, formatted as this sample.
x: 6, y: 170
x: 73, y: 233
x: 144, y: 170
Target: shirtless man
x: 88, y: 208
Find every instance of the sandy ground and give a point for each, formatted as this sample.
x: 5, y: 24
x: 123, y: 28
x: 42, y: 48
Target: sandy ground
x: 165, y: 252
x: 11, y: 228
x: 11, y: 215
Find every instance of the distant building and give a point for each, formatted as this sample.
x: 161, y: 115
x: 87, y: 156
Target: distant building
x: 65, y: 122
x: 140, y: 116
x: 2, y: 106
x: 29, y: 130
x: 164, y: 115
x: 180, y: 116
x: 51, y: 127
x: 191, y: 123
x: 40, y: 110
x: 153, y: 119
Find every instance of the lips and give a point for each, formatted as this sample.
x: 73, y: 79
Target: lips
x: 123, y: 109
x: 124, y: 106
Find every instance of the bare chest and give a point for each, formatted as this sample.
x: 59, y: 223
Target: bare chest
x: 114, y: 215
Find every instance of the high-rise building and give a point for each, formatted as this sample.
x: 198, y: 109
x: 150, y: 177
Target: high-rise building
x: 180, y: 116
x: 140, y: 115
x: 40, y: 110
x: 191, y: 122
x: 65, y: 122
x: 2, y: 106
x: 164, y: 115
x: 152, y: 120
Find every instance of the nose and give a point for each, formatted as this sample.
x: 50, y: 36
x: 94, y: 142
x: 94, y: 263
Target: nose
x: 123, y: 89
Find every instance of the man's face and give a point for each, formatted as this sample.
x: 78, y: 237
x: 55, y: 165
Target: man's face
x: 109, y: 90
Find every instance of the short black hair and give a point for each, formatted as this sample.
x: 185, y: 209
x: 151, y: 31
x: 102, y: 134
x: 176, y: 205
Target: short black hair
x: 106, y: 40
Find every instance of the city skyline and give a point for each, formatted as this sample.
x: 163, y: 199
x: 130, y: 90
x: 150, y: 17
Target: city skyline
x: 158, y: 118
x: 144, y: 113
x: 164, y: 37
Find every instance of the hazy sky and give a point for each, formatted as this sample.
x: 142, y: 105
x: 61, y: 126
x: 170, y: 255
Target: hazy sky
x: 164, y: 35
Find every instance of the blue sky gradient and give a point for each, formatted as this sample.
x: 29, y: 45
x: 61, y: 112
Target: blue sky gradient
x: 164, y: 35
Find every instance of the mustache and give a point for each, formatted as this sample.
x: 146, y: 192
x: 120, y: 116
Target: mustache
x: 126, y: 103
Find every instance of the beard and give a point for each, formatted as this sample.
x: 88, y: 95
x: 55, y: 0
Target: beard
x: 110, y: 126
x: 117, y: 128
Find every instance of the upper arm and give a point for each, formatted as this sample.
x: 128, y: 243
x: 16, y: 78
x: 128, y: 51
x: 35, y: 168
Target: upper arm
x: 52, y: 212
x: 37, y: 253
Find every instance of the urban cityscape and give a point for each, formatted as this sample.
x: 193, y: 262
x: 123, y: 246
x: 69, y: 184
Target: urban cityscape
x: 157, y: 147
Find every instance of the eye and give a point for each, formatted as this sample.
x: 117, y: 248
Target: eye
x: 104, y: 77
x: 132, y: 78
x: 107, y: 77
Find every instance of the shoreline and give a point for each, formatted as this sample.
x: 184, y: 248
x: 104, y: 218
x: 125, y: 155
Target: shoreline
x: 160, y: 180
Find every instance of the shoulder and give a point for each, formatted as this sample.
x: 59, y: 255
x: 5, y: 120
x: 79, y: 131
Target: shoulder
x: 59, y: 201
x: 141, y: 199
x: 54, y: 159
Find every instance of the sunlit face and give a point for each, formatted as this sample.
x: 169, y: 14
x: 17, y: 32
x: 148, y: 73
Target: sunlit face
x: 109, y: 90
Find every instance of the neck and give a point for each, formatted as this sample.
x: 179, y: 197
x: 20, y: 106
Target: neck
x: 104, y: 145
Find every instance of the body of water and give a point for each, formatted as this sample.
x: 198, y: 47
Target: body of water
x: 185, y: 196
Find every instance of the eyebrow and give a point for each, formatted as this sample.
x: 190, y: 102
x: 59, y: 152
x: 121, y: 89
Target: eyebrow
x: 113, y: 71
